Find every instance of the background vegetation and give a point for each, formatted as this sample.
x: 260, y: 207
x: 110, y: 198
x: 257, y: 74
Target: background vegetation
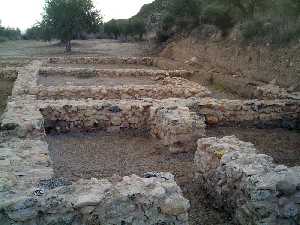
x: 66, y: 20
x: 269, y: 21
x: 275, y: 22
x: 7, y: 33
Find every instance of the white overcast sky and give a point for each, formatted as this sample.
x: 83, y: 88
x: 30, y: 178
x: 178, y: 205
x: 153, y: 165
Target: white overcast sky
x: 24, y: 13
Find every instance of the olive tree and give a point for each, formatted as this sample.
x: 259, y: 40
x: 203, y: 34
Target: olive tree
x: 66, y: 19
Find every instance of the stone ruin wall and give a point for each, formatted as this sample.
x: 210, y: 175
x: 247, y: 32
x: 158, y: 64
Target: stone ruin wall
x: 90, y: 115
x: 85, y: 73
x: 141, y: 113
x: 283, y: 113
x: 166, y: 88
x: 246, y: 184
x: 146, y: 61
x: 168, y: 84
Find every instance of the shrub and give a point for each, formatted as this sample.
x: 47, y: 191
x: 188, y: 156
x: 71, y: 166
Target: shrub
x: 185, y: 13
x: 252, y: 29
x: 112, y: 28
x: 276, y: 31
x: 219, y: 16
x: 137, y: 27
x: 3, y: 39
x: 66, y: 19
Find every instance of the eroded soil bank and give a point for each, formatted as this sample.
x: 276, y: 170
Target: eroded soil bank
x: 282, y: 144
x: 87, y: 155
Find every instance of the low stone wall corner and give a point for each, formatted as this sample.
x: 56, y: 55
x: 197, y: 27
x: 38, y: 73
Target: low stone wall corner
x: 248, y: 185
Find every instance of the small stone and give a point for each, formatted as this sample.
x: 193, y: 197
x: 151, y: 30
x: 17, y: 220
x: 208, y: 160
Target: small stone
x: 116, y: 121
x: 297, y: 198
x: 115, y: 109
x: 7, y: 181
x: 21, y: 133
x: 290, y: 210
x: 262, y: 195
x: 175, y: 205
x: 87, y: 210
x: 280, y: 168
x: 274, y: 81
x: 212, y: 120
x: 24, y: 210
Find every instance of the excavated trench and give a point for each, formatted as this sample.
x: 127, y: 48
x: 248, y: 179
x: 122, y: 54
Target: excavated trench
x: 113, y: 155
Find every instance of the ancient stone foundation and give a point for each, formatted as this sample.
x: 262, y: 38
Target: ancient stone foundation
x: 166, y: 88
x: 249, y: 185
x: 174, y: 110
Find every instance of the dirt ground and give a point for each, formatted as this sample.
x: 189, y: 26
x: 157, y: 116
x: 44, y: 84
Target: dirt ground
x: 5, y: 91
x: 283, y: 145
x: 100, y: 155
x: 86, y: 47
x: 94, y: 81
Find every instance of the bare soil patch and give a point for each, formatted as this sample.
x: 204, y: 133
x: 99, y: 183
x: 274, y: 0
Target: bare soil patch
x: 94, y: 81
x: 86, y: 155
x: 283, y: 145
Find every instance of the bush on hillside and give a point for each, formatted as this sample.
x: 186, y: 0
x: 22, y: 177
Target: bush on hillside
x: 219, y: 16
x: 185, y: 13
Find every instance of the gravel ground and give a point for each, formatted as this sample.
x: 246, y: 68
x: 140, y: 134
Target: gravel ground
x: 86, y: 155
x: 283, y: 145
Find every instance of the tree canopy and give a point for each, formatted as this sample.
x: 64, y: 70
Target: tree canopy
x: 125, y: 27
x: 66, y: 19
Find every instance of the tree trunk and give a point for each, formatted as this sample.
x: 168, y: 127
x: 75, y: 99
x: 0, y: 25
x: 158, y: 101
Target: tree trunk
x: 68, y: 46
